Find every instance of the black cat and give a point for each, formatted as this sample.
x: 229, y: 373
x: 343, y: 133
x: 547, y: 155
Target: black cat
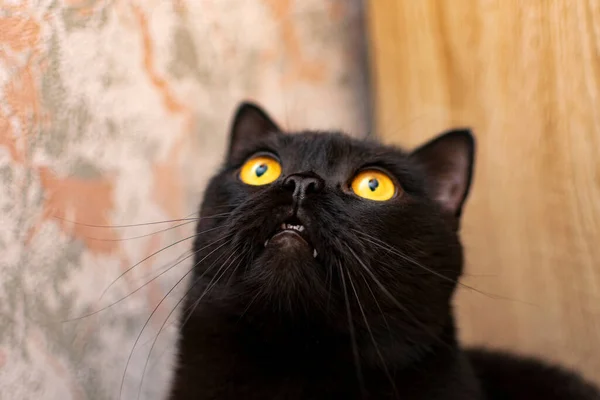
x: 325, y: 268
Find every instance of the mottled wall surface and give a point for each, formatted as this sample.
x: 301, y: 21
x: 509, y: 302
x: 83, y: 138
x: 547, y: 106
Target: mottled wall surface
x: 114, y: 113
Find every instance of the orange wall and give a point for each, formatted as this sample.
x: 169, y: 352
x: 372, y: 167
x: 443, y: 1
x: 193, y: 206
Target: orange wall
x: 525, y: 75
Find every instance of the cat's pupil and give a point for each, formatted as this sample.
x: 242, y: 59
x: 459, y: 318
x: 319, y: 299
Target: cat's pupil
x: 373, y: 184
x: 261, y: 169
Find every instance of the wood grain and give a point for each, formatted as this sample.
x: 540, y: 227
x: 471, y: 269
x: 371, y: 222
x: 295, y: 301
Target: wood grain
x: 526, y: 77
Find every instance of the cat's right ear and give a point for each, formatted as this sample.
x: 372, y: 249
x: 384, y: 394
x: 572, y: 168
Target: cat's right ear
x: 447, y: 162
x: 250, y: 123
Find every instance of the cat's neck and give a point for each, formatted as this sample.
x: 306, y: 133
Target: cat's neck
x: 236, y: 351
x: 286, y: 339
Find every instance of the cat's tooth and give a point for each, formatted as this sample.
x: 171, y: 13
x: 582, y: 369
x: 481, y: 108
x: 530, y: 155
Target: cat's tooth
x: 282, y: 226
x: 266, y: 242
x: 301, y: 228
x: 314, y: 253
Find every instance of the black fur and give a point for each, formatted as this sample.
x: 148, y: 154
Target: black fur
x: 275, y: 323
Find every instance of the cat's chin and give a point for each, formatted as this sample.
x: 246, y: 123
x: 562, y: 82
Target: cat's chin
x: 291, y: 236
x: 289, y: 241
x: 284, y: 279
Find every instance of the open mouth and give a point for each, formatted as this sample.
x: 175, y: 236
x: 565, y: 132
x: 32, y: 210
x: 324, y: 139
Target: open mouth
x: 293, y: 227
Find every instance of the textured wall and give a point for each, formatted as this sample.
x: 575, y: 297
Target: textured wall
x: 526, y: 76
x: 115, y: 113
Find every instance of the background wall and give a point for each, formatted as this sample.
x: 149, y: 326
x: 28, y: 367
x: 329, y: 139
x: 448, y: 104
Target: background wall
x: 115, y: 113
x: 526, y: 77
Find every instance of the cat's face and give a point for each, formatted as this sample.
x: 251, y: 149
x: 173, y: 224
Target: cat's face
x: 302, y: 225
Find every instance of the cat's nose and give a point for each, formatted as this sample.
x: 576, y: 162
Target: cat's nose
x: 303, y: 184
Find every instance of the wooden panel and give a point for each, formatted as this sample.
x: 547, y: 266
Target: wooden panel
x: 526, y: 76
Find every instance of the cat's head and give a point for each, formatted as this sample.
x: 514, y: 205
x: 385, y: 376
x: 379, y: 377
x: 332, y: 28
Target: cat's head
x: 301, y: 225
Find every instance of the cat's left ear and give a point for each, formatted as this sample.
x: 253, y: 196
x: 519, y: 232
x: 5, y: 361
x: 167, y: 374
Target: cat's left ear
x: 448, y: 163
x: 250, y: 123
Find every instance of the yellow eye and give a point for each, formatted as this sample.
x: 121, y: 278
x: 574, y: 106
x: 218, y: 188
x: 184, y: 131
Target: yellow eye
x: 260, y: 170
x: 373, y: 185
